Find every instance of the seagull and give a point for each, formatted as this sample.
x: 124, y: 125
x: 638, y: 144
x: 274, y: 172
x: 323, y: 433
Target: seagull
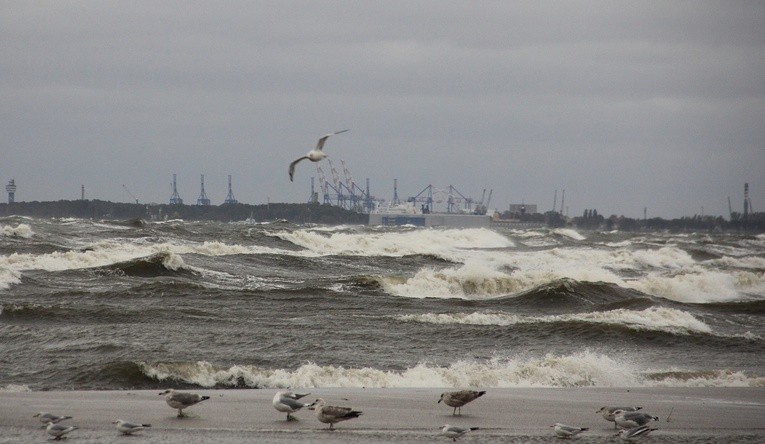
x: 180, y: 400
x: 330, y: 414
x: 315, y: 154
x: 567, y: 431
x: 608, y: 412
x: 455, y: 432
x: 635, y: 433
x: 59, y: 430
x: 628, y: 420
x: 287, y: 402
x: 460, y: 398
x: 47, y: 418
x: 128, y: 428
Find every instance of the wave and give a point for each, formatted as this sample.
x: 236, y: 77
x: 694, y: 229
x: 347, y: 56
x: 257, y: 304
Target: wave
x: 700, y: 285
x: 21, y: 230
x: 9, y: 277
x: 15, y: 388
x: 660, y: 319
x: 568, y: 232
x: 158, y: 264
x: 666, y: 272
x: 582, y: 369
x: 452, y: 245
x: 470, y: 281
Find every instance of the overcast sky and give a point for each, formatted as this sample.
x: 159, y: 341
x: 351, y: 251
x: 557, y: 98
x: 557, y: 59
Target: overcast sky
x: 625, y: 105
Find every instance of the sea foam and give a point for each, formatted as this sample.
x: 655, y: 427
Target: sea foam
x: 450, y: 245
x: 581, y: 369
x: 20, y: 230
x: 663, y: 319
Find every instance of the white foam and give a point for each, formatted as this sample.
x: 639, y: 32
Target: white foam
x: 470, y: 281
x: 752, y: 262
x: 570, y: 233
x: 581, y: 369
x: 655, y: 318
x: 110, y: 252
x: 15, y: 388
x: 668, y: 272
x: 20, y: 230
x: 452, y: 245
x: 8, y: 277
x: 699, y: 285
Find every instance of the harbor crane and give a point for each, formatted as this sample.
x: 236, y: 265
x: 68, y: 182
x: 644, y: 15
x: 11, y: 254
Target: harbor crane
x: 129, y: 193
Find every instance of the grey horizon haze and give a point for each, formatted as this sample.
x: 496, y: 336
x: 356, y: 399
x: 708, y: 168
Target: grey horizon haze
x: 625, y: 105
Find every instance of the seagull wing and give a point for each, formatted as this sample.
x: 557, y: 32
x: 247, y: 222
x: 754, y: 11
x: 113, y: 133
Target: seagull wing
x: 320, y: 143
x: 292, y: 166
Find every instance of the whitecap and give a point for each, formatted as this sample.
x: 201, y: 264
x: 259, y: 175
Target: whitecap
x: 663, y: 319
x: 570, y: 233
x: 580, y: 369
x: 21, y: 230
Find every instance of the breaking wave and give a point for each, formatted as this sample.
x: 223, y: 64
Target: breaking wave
x: 583, y: 369
x: 20, y: 230
x: 662, y: 319
x: 451, y: 245
x: 155, y: 265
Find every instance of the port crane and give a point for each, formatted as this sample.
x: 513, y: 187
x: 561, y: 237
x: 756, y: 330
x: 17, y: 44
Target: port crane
x: 129, y: 193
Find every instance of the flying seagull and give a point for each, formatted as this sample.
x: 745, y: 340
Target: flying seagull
x: 315, y: 154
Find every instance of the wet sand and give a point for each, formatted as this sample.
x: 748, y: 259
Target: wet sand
x: 390, y: 415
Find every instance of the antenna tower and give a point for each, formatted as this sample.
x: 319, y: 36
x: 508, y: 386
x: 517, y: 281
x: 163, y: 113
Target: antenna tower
x: 175, y: 199
x: 11, y: 189
x: 555, y: 201
x: 747, y: 201
x: 230, y: 196
x: 203, y: 200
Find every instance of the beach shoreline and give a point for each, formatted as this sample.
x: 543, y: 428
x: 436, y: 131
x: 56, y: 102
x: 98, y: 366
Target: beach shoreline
x: 718, y: 414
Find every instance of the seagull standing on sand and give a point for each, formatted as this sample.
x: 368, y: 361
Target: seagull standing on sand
x: 59, y: 430
x: 635, y: 433
x: 455, y: 432
x: 287, y: 402
x: 567, y: 431
x: 315, y: 154
x: 628, y: 420
x: 47, y: 418
x: 608, y: 412
x: 460, y: 398
x: 180, y: 400
x: 330, y: 414
x: 127, y: 428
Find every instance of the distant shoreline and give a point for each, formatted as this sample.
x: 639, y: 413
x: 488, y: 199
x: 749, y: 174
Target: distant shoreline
x: 333, y: 215
x: 98, y: 209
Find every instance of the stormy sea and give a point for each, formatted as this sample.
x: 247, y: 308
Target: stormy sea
x: 105, y: 305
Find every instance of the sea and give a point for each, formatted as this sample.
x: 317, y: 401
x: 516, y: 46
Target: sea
x: 110, y: 305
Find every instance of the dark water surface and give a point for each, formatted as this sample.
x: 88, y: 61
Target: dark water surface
x: 116, y: 305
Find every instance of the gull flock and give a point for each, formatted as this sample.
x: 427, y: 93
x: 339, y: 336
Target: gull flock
x: 633, y: 422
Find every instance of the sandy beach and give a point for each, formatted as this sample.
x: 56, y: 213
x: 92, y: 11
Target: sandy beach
x: 390, y: 415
